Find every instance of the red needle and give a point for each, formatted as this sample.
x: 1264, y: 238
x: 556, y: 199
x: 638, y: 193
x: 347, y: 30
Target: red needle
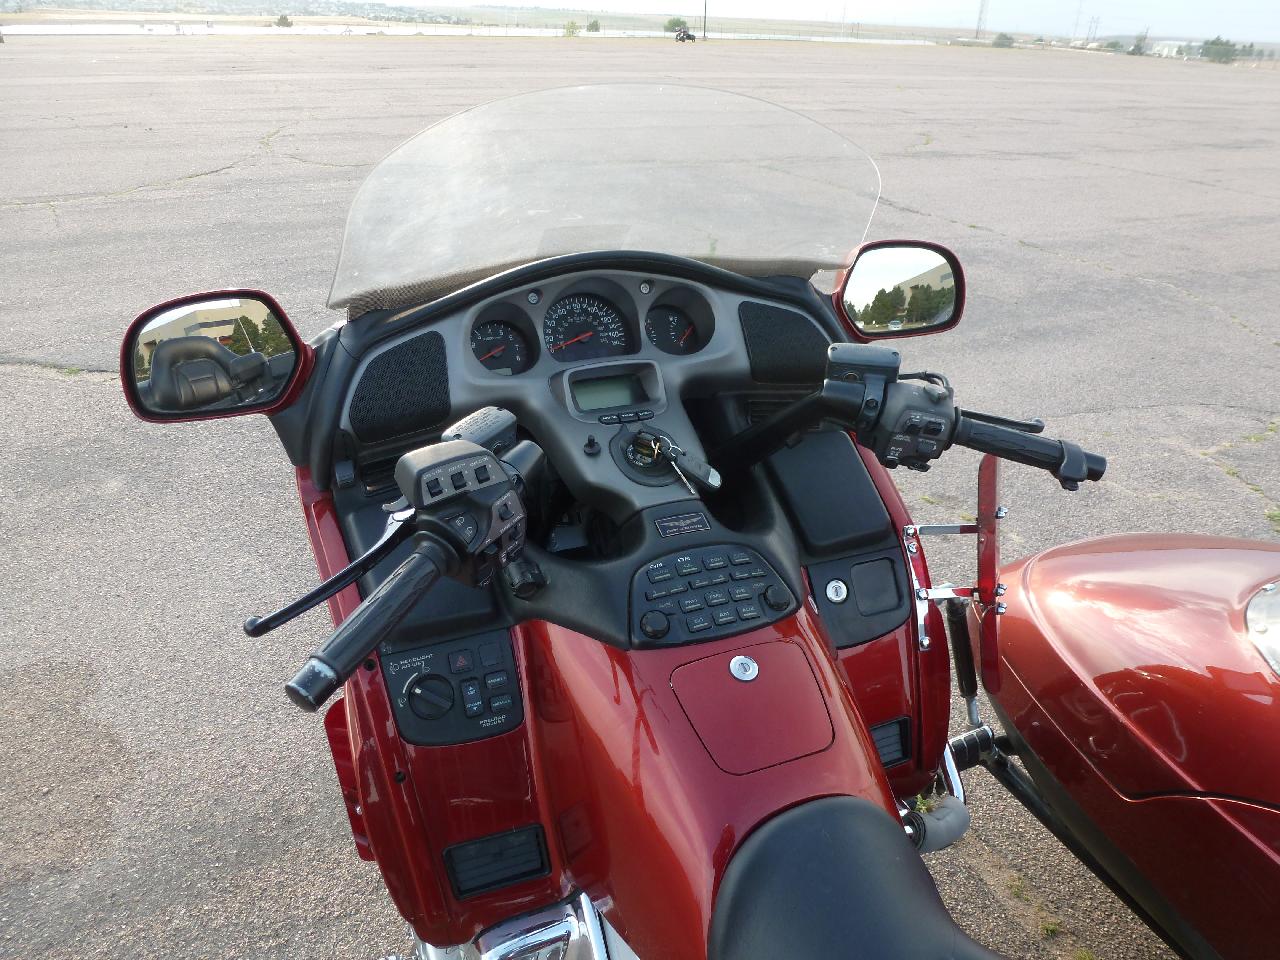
x: 581, y: 336
x: 492, y: 353
x: 686, y: 336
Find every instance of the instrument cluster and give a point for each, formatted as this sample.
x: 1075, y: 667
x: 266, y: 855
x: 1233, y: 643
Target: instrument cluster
x: 595, y: 319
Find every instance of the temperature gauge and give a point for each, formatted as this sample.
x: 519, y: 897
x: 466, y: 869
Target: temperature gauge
x: 501, y: 348
x: 672, y: 331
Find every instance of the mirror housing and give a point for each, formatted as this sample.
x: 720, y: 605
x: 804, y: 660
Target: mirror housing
x: 901, y: 288
x: 205, y: 356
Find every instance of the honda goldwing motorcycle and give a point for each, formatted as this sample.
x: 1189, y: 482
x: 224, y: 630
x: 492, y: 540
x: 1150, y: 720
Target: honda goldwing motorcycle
x: 638, y: 652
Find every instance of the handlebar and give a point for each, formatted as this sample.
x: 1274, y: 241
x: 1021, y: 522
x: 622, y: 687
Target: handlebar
x: 359, y: 635
x: 1066, y: 461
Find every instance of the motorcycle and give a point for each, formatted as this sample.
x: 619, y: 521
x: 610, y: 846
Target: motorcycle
x: 638, y: 650
x: 684, y: 33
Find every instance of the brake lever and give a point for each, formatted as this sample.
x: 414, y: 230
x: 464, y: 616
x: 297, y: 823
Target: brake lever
x: 398, y: 530
x: 1034, y: 425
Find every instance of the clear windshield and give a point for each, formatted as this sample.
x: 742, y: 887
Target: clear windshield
x: 717, y: 177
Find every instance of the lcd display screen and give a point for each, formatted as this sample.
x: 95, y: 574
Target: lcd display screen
x: 601, y: 392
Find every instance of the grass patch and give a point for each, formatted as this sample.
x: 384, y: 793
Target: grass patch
x: 930, y: 500
x: 1274, y: 516
x: 1018, y: 888
x: 1050, y: 927
x: 70, y: 371
x: 1083, y: 954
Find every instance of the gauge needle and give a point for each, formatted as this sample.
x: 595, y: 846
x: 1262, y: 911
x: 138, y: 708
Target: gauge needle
x: 492, y: 353
x: 685, y: 336
x: 581, y: 336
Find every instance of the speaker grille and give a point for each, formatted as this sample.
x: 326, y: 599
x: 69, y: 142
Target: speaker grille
x: 404, y: 390
x: 783, y: 346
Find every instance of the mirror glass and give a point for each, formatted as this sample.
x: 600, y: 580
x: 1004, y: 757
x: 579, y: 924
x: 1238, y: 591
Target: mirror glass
x: 218, y: 355
x: 896, y: 290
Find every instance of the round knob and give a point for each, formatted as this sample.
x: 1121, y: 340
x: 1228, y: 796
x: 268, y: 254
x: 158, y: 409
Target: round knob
x: 654, y: 625
x: 430, y: 697
x: 776, y: 597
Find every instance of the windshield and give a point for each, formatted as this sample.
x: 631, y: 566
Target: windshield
x: 718, y: 177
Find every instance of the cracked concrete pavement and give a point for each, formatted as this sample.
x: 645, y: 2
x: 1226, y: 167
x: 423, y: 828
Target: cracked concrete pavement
x: 1118, y: 219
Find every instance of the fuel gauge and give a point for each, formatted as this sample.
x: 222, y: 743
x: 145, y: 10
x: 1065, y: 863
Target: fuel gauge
x: 671, y: 330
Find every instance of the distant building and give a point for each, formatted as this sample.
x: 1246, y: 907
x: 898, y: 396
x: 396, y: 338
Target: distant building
x: 1174, y: 48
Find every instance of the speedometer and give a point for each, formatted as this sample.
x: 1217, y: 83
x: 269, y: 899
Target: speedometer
x: 583, y: 326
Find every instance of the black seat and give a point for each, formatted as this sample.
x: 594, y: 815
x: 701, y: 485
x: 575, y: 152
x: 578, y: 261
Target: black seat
x: 191, y: 373
x: 833, y: 879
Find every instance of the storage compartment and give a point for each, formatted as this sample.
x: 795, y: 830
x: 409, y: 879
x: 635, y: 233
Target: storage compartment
x: 749, y: 724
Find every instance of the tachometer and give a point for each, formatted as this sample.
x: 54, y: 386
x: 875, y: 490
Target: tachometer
x: 583, y: 326
x: 671, y: 331
x: 501, y: 348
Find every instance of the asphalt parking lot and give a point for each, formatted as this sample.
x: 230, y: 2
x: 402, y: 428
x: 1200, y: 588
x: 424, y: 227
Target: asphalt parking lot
x: 1118, y: 219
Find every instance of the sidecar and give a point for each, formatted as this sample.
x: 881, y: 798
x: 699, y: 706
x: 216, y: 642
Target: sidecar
x: 1137, y: 679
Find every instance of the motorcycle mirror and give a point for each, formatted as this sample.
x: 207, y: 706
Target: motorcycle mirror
x: 903, y: 288
x: 211, y: 355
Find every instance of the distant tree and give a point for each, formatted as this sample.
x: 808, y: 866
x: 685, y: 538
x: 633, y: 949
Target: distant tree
x: 1271, y: 54
x: 1113, y: 45
x: 593, y: 26
x: 1219, y: 50
x: 1002, y: 40
x: 1139, y: 45
x: 245, y: 337
x: 283, y: 20
x: 675, y: 25
x: 571, y: 29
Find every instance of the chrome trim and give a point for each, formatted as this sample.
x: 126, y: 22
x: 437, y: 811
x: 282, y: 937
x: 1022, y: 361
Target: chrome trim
x: 951, y: 775
x: 943, y: 529
x: 566, y: 931
x: 1262, y: 622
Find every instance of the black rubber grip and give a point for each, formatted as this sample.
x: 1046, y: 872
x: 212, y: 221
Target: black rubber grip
x: 1064, y: 460
x: 359, y: 635
x: 957, y: 612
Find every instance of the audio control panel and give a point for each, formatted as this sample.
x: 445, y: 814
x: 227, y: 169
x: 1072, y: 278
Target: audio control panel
x: 705, y: 594
x: 456, y: 691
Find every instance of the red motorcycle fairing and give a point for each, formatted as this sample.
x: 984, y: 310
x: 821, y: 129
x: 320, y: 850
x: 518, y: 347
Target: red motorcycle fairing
x: 1149, y: 720
x: 636, y: 798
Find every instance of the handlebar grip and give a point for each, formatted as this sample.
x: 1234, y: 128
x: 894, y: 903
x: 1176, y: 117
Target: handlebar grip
x: 1064, y: 460
x: 359, y: 635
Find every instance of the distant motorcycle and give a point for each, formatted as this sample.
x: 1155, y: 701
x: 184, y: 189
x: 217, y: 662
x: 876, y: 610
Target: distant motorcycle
x: 683, y: 34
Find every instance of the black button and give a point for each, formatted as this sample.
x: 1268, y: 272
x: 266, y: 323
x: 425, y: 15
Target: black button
x: 726, y: 616
x: 655, y: 594
x: 668, y: 607
x: 913, y: 425
x: 748, y: 574
x: 690, y: 605
x: 717, y: 597
x: 654, y: 625
x: 717, y: 578
x: 627, y: 417
x: 459, y: 480
x: 504, y: 511
x: 493, y: 681
x: 500, y: 703
x: 739, y: 557
x: 608, y: 418
x: 740, y: 593
x: 697, y: 623
x: 644, y: 414
x: 926, y: 448
x: 715, y: 562
x: 482, y: 474
x: 460, y: 661
x: 687, y: 567
x: 465, y: 527
x: 934, y: 428
x: 748, y: 611
x: 677, y: 588
x: 490, y: 655
x: 776, y: 597
x: 699, y: 583
x: 659, y: 572
x: 470, y: 689
x: 474, y: 707
x: 434, y: 488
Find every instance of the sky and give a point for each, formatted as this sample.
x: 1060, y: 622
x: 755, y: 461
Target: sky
x: 1240, y: 20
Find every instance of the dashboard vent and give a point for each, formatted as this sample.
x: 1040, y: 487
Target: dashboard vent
x: 497, y: 861
x: 403, y: 390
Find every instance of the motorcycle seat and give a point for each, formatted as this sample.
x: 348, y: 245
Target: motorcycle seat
x: 835, y: 879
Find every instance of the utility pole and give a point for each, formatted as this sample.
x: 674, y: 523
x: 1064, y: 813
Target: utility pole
x: 982, y: 19
x: 704, y: 19
x: 1075, y: 31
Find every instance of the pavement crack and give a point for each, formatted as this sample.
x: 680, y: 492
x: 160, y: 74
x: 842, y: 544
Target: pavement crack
x: 323, y: 163
x: 49, y: 365
x: 129, y: 191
